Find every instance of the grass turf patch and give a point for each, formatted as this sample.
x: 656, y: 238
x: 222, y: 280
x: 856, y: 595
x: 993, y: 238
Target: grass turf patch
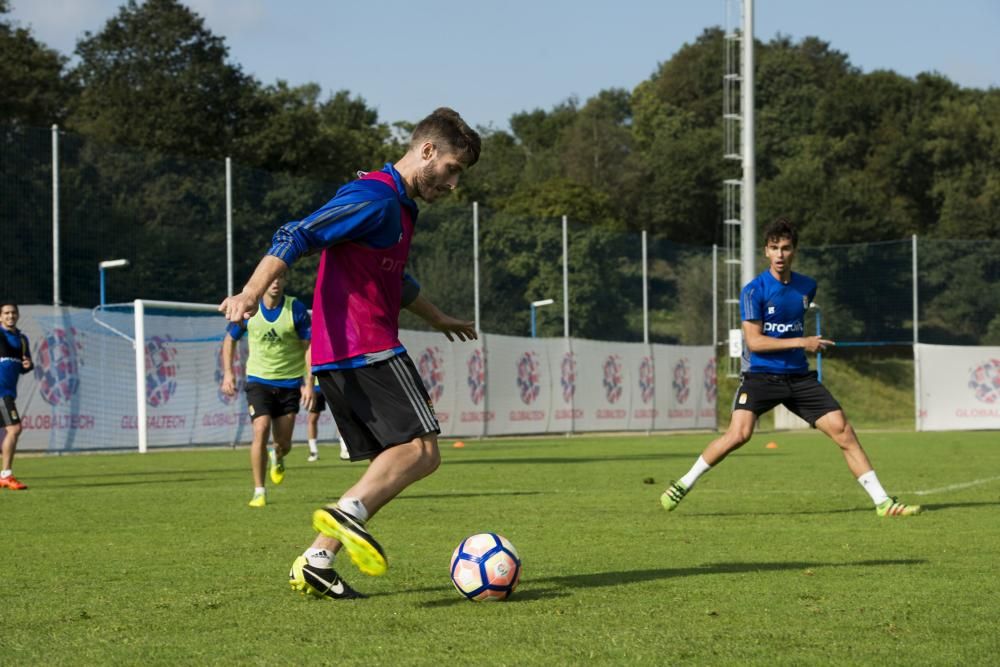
x: 776, y: 557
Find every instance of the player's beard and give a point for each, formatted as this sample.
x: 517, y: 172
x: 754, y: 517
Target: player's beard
x: 428, y: 185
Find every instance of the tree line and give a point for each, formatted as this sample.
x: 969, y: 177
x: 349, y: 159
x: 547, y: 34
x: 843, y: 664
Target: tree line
x: 152, y: 101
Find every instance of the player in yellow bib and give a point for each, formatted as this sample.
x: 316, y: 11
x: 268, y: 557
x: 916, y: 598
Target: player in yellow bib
x: 278, y: 378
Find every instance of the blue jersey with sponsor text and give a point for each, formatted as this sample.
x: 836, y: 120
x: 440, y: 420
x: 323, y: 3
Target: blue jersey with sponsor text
x: 781, y: 310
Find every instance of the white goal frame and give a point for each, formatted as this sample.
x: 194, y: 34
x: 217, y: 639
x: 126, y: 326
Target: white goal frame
x: 140, y: 355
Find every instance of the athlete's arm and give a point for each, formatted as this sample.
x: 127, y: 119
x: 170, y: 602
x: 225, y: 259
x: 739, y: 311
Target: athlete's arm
x: 242, y: 306
x: 26, y: 364
x: 757, y: 342
x: 228, y: 386
x: 446, y: 324
x: 366, y: 211
x: 306, y: 390
x: 411, y: 290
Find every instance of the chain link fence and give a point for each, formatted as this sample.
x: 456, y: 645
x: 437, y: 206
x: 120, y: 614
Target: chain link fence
x: 167, y: 216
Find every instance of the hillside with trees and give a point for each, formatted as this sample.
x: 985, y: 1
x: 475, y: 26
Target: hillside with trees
x: 152, y: 103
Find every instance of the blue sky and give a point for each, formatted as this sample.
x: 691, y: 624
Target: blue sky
x: 490, y: 59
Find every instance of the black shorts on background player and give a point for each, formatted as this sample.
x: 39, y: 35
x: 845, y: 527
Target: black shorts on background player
x: 801, y: 393
x: 379, y: 406
x: 266, y: 399
x: 8, y: 412
x: 319, y: 403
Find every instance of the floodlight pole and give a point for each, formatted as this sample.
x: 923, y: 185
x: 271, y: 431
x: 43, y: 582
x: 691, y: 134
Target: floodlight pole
x: 230, y: 285
x: 109, y: 264
x: 56, y: 296
x: 534, y: 306
x: 475, y: 262
x: 748, y: 209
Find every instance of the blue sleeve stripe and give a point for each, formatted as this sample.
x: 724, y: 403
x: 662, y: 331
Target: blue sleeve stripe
x: 332, y: 215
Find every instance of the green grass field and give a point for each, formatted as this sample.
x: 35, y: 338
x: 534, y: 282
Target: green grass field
x: 776, y: 557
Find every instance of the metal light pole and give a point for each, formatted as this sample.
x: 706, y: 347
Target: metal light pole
x: 109, y: 264
x: 534, y: 306
x: 819, y: 332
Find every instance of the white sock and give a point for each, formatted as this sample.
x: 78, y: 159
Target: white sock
x: 313, y: 449
x: 697, y: 470
x: 354, y: 507
x: 869, y: 482
x: 343, y: 445
x: 259, y: 490
x: 6, y: 473
x: 319, y: 557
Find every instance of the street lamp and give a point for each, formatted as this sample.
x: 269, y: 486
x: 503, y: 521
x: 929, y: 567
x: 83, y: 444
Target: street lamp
x: 109, y: 264
x: 534, y: 305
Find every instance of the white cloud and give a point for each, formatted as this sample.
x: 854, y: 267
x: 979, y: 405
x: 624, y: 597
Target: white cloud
x: 60, y: 23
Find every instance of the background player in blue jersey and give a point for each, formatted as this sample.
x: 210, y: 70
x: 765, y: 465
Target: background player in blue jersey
x: 15, y: 361
x: 775, y: 370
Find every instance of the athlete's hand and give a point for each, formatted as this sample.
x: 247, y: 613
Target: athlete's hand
x: 451, y: 326
x: 239, y: 307
x: 307, y: 396
x: 26, y: 364
x: 816, y: 344
x: 228, y: 386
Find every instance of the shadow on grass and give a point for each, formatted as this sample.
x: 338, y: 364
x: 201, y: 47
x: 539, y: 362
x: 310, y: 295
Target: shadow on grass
x: 933, y: 507
x: 548, y: 587
x: 842, y: 510
x: 578, y: 459
x: 137, y: 482
x: 145, y: 473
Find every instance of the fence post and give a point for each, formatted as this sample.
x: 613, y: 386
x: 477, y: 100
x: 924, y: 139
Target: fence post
x: 916, y: 301
x: 645, y: 291
x: 565, y: 241
x: 229, y: 227
x: 475, y: 261
x: 56, y: 296
x: 715, y: 298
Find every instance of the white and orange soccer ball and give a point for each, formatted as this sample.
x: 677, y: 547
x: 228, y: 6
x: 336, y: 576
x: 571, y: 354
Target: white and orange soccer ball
x: 485, y: 567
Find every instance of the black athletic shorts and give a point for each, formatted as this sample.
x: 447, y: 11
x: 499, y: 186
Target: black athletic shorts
x: 319, y: 403
x: 802, y: 394
x: 379, y: 406
x: 8, y: 412
x: 266, y: 399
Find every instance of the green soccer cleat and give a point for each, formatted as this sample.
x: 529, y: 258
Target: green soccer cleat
x: 672, y: 497
x: 276, y: 464
x: 364, y: 551
x: 892, y: 507
x: 321, y: 582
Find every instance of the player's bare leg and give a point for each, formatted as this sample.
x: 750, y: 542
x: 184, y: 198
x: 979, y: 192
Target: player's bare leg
x: 741, y: 426
x: 387, y: 475
x: 835, y: 425
x: 258, y: 458
x: 837, y: 428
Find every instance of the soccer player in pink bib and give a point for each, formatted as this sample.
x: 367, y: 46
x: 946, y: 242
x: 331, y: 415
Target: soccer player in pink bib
x: 373, y: 389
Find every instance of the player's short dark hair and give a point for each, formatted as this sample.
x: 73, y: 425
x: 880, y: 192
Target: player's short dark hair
x: 781, y: 228
x: 9, y: 302
x: 446, y: 126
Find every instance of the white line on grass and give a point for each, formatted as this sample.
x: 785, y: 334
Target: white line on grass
x: 955, y: 487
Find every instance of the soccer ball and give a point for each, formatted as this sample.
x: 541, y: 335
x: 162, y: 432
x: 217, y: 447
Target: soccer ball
x: 485, y: 567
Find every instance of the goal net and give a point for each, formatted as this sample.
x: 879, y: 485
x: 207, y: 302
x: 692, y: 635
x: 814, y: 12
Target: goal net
x: 139, y: 375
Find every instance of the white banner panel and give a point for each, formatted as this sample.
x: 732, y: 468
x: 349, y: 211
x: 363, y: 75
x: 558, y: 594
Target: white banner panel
x: 519, y: 384
x: 687, y: 389
x: 81, y: 394
x: 958, y: 388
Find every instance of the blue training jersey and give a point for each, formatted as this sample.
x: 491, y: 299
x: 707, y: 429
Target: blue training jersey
x: 781, y: 310
x: 13, y: 350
